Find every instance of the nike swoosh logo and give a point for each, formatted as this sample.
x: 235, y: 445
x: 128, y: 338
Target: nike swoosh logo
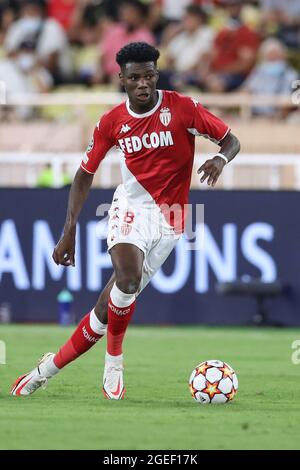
x: 118, y: 389
x: 18, y: 390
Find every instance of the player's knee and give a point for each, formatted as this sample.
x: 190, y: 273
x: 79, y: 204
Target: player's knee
x: 129, y: 283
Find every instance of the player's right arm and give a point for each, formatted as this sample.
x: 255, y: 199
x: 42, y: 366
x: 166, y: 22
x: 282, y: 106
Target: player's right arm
x: 64, y: 252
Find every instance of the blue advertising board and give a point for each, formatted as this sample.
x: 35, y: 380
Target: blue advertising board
x: 252, y: 234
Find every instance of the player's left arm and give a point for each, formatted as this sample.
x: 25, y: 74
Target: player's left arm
x: 212, y: 168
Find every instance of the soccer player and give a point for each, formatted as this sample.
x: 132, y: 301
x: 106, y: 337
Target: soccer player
x: 155, y: 131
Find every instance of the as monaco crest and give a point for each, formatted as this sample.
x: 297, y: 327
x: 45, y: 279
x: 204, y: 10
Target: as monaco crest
x: 126, y: 229
x: 165, y: 116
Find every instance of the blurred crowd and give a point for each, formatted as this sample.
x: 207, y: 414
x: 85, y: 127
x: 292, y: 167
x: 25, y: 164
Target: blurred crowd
x: 211, y: 45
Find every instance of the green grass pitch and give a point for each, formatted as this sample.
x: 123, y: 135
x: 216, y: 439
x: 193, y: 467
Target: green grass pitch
x: 158, y: 411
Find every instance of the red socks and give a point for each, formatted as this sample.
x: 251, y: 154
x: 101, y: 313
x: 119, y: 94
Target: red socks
x: 87, y: 333
x: 120, y: 310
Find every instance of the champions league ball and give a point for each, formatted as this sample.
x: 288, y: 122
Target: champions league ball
x: 213, y: 382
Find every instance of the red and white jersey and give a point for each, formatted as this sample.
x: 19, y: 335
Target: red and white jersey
x: 156, y: 148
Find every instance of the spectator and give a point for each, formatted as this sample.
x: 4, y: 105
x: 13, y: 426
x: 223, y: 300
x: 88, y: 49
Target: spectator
x: 285, y: 15
x: 63, y: 10
x: 185, y: 51
x: 131, y: 28
x: 272, y: 76
x: 233, y: 53
x: 173, y: 11
x: 47, y: 179
x: 22, y: 74
x: 8, y: 9
x: 75, y: 14
x: 48, y: 35
x: 166, y: 15
x: 111, y: 9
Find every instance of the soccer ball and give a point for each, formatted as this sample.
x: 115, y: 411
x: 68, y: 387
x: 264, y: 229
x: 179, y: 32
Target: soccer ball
x: 213, y: 382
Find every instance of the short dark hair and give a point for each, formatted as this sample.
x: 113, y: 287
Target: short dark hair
x: 141, y: 7
x: 196, y: 10
x: 137, y: 52
x: 37, y: 3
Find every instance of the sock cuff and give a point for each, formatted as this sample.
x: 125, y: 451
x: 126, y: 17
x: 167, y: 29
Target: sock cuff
x: 113, y: 359
x: 96, y: 325
x: 121, y: 299
x: 49, y: 368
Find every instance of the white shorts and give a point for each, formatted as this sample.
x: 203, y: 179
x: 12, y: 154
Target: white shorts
x: 143, y: 226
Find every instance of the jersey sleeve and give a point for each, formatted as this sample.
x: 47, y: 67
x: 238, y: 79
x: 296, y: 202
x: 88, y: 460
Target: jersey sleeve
x: 200, y: 122
x: 101, y: 142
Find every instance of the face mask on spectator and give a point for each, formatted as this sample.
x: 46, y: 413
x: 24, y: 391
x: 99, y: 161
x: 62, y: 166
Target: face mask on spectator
x: 26, y: 62
x: 234, y: 23
x: 31, y: 25
x: 274, y: 68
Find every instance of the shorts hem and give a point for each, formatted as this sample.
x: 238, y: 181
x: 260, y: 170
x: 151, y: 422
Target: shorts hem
x: 117, y: 242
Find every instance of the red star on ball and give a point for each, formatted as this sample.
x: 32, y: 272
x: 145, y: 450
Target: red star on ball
x: 226, y: 371
x: 211, y: 389
x: 192, y: 390
x: 203, y: 368
x: 231, y: 394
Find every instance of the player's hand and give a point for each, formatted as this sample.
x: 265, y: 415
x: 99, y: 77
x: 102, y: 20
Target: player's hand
x: 211, y: 170
x: 64, y: 252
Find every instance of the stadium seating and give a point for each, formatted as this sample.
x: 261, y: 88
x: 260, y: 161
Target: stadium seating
x: 72, y: 136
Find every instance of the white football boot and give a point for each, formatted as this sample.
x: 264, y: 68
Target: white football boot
x: 29, y: 383
x: 113, y: 383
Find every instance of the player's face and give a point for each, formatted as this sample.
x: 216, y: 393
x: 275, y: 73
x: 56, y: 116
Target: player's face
x: 139, y: 81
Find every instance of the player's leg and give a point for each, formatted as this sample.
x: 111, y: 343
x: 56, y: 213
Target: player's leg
x: 127, y: 261
x: 88, y: 332
x: 102, y: 302
x: 155, y: 258
x: 113, y: 385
